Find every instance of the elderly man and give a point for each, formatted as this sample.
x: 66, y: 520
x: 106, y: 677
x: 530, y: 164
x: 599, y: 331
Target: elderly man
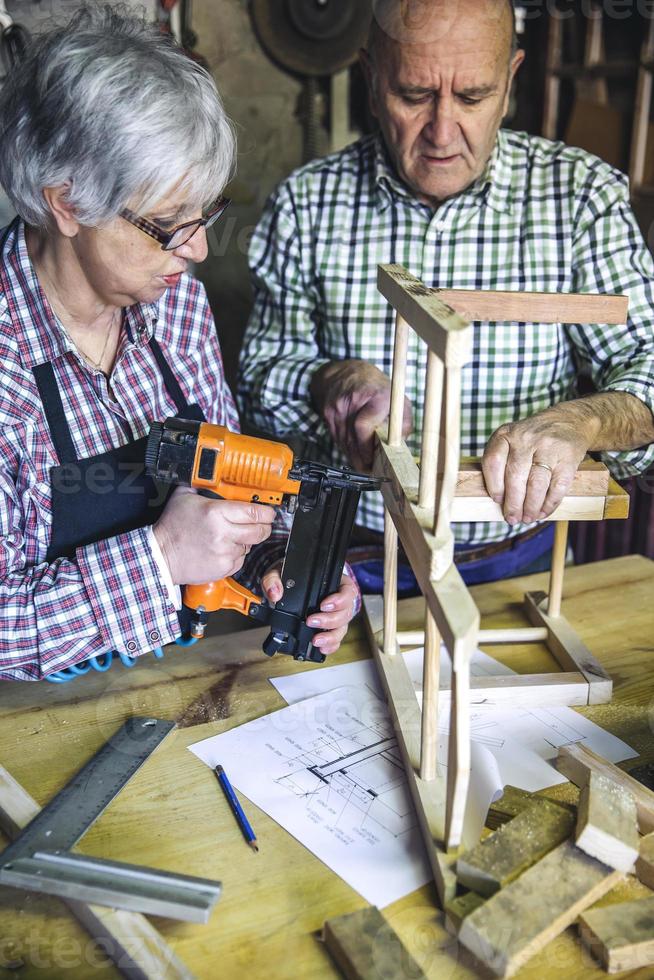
x: 462, y: 204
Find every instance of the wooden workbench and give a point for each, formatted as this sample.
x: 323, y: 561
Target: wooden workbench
x: 173, y: 816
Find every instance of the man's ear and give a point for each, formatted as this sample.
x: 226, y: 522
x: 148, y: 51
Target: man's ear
x: 62, y: 211
x: 516, y: 61
x: 369, y: 72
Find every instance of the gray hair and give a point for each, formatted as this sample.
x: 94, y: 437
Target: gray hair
x: 390, y: 19
x: 109, y: 107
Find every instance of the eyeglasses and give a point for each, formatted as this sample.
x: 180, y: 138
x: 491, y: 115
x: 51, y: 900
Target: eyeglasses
x: 180, y: 234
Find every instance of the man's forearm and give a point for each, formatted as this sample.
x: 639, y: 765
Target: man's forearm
x: 612, y: 421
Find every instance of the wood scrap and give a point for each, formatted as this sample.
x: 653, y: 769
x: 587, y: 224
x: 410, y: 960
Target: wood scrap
x: 458, y: 908
x: 576, y: 761
x: 516, y: 846
x: 620, y: 936
x: 518, y: 921
x: 513, y: 801
x: 365, y: 947
x: 607, y: 827
x: 645, y: 861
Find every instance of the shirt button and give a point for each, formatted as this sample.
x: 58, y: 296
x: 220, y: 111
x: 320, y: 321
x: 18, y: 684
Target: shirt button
x: 131, y: 646
x: 155, y: 635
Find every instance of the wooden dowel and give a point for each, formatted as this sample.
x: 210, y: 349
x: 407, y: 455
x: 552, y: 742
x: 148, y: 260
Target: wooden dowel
x: 535, y: 634
x: 430, y: 683
x: 552, y: 83
x: 390, y: 585
x: 642, y: 113
x: 431, y: 423
x: 558, y: 567
x: 398, y: 381
x: 458, y: 756
x: 448, y: 455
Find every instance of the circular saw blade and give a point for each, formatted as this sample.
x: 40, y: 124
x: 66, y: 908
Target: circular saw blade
x: 312, y: 37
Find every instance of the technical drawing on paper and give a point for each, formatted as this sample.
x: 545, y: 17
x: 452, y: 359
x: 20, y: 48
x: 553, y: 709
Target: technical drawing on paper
x: 354, y: 774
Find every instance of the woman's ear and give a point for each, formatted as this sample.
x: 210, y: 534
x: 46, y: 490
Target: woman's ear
x: 62, y: 211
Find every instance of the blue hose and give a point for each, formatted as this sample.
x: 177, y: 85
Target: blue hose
x: 103, y: 662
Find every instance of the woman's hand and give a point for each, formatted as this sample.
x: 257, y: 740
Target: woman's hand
x: 204, y: 540
x: 336, y: 610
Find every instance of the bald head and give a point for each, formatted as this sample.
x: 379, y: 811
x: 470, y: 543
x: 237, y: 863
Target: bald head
x: 421, y: 21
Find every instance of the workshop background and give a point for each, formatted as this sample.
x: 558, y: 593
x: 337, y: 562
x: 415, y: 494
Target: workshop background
x: 287, y: 72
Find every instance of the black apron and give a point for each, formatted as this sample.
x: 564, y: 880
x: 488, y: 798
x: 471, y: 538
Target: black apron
x: 108, y: 494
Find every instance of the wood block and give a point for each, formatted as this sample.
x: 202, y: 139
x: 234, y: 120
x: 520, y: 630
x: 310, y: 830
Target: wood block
x: 576, y: 761
x: 590, y: 480
x: 620, y: 936
x: 516, y: 846
x: 457, y: 910
x: 514, y: 801
x: 518, y: 921
x: 484, y: 508
x: 365, y: 947
x: 607, y: 826
x: 645, y: 861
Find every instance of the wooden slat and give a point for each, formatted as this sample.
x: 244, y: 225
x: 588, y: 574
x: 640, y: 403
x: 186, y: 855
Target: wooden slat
x: 524, y: 917
x: 428, y: 796
x: 616, y: 506
x: 135, y: 946
x: 528, y: 634
x: 361, y: 941
x: 576, y: 761
x: 509, y: 307
x: 568, y: 648
x: 506, y: 854
x: 607, y: 826
x: 444, y: 331
x: 590, y: 480
x: 570, y: 509
x: 620, y: 936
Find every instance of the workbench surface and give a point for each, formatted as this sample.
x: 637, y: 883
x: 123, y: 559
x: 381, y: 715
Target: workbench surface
x: 173, y: 815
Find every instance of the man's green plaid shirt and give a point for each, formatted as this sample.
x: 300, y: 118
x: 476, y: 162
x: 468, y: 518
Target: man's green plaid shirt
x: 543, y: 217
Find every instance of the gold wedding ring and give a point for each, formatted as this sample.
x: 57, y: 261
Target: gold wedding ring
x: 543, y: 466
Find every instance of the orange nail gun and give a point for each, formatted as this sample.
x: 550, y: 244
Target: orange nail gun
x: 323, y: 500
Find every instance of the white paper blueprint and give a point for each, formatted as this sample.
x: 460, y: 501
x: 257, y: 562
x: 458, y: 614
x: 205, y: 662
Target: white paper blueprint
x: 524, y: 741
x: 328, y: 770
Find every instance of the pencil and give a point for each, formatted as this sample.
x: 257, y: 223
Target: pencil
x: 232, y: 799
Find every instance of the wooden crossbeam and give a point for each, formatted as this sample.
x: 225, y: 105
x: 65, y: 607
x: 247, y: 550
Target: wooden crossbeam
x: 510, y: 307
x: 590, y: 480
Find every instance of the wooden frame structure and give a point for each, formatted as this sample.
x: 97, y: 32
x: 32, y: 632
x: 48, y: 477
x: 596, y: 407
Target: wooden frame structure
x: 420, y: 504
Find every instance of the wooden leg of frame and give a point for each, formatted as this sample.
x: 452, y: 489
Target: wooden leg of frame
x: 568, y: 649
x: 390, y: 585
x: 558, y: 567
x: 430, y: 684
x: 458, y: 751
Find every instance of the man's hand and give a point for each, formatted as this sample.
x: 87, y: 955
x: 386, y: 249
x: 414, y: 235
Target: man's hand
x: 528, y: 466
x: 354, y: 398
x: 336, y: 610
x: 204, y: 540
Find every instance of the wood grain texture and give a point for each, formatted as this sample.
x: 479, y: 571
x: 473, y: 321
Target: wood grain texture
x: 568, y: 648
x: 620, y: 936
x: 590, y: 480
x: 645, y: 861
x: 509, y: 307
x: 173, y: 817
x: 524, y: 917
x: 576, y: 761
x: 447, y: 334
x: 516, y: 846
x: 366, y: 947
x: 607, y: 826
x: 135, y: 946
x: 513, y: 802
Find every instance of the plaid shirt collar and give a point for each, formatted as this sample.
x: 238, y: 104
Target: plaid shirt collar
x: 493, y: 187
x: 39, y: 334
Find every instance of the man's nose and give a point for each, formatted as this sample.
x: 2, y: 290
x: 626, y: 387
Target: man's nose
x: 440, y: 128
x: 196, y: 248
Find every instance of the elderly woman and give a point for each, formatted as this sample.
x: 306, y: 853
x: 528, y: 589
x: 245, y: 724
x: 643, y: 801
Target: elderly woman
x: 114, y: 150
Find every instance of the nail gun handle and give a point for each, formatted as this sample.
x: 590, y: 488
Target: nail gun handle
x: 226, y: 593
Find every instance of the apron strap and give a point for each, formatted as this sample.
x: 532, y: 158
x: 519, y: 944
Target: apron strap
x: 54, y: 411
x: 169, y: 378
